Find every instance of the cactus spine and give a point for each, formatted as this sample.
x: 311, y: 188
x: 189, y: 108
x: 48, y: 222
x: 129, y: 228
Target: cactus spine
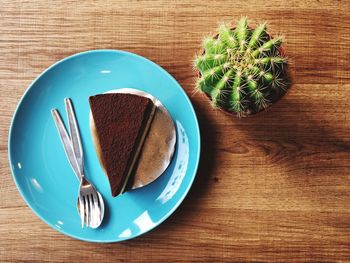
x: 242, y: 69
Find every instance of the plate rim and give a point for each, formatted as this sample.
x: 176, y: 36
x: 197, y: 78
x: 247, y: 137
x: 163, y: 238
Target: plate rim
x: 11, y: 139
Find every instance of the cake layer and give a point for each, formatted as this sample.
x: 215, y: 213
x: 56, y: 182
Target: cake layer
x: 121, y: 122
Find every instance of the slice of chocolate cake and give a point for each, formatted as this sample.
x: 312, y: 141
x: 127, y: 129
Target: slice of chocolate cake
x: 121, y: 121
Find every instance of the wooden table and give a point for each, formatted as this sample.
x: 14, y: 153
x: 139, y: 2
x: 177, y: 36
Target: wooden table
x: 275, y: 186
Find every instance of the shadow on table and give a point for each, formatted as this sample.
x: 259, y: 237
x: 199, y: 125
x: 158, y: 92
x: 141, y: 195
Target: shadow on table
x: 292, y: 131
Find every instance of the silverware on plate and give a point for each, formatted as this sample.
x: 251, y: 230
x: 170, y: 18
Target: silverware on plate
x: 90, y: 203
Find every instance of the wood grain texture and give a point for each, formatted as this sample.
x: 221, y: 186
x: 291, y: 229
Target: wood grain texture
x: 273, y: 187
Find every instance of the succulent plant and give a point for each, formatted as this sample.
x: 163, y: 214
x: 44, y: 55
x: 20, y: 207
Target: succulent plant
x: 242, y: 69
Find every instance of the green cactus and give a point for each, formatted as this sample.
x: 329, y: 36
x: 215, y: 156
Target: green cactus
x: 242, y: 69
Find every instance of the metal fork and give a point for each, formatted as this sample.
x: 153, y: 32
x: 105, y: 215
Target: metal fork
x: 90, y: 203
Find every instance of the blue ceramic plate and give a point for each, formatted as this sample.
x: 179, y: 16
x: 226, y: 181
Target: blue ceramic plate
x: 42, y: 172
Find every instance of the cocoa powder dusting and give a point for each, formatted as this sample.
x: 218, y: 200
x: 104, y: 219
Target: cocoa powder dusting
x: 119, y: 121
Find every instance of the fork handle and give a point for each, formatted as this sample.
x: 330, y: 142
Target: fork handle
x: 67, y: 145
x: 74, y: 134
